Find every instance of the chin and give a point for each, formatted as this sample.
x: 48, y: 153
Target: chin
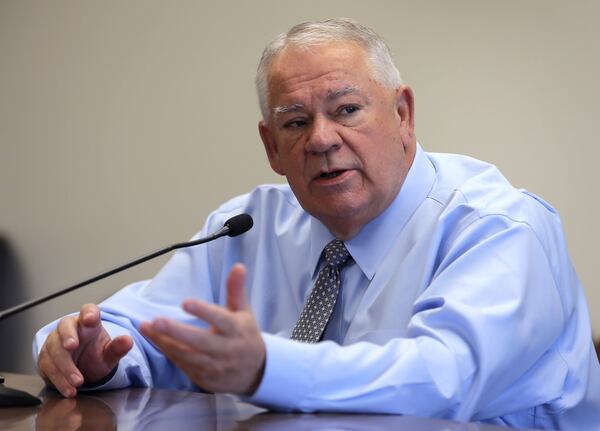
x: 343, y: 208
x: 341, y: 213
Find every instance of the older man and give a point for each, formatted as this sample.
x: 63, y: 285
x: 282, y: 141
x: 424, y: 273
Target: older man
x: 382, y: 279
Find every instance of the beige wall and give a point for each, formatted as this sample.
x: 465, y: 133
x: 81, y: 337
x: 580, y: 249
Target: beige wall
x: 123, y: 123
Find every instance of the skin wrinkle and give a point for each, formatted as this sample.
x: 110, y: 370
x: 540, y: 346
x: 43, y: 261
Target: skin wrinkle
x: 348, y: 122
x: 299, y: 106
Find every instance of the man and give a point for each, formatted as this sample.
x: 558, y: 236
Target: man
x: 441, y: 291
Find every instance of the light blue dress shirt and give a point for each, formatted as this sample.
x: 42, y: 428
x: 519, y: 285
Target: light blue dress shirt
x: 460, y: 302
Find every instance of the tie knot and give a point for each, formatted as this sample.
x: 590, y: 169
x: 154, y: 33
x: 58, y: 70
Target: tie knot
x: 336, y: 253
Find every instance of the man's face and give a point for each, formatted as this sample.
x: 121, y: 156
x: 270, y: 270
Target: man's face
x: 344, y: 141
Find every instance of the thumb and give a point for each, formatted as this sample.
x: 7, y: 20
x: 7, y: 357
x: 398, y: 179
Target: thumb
x: 236, y: 293
x: 115, y: 349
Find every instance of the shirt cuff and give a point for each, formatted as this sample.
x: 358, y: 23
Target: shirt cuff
x: 287, y: 378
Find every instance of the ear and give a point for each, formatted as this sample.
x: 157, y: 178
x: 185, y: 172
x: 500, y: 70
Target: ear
x: 405, y: 107
x: 270, y: 147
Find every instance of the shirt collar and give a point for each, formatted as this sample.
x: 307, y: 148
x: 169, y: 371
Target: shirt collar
x: 373, y: 242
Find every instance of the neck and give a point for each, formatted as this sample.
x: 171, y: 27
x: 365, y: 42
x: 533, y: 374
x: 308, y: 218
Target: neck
x: 344, y: 231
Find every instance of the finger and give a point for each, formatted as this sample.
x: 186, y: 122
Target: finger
x: 56, y: 377
x: 163, y: 342
x: 115, y: 349
x: 182, y: 355
x: 67, y: 331
x: 89, y: 322
x: 85, y: 326
x: 236, y: 293
x: 62, y: 360
x: 219, y: 317
x: 196, y: 338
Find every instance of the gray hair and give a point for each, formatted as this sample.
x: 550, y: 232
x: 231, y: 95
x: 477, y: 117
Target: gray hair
x: 331, y: 30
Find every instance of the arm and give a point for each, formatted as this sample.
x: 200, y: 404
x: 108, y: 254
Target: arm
x: 482, y: 332
x: 479, y: 335
x: 185, y: 275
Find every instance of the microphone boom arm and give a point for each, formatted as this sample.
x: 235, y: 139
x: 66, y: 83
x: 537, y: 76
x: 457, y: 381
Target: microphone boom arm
x: 233, y: 227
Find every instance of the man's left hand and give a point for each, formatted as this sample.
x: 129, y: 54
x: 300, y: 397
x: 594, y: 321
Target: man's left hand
x: 228, y: 357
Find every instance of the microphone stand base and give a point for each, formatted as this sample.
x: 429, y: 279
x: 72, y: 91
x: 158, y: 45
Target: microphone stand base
x: 14, y: 397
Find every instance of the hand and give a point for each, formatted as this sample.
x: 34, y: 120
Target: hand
x: 228, y: 357
x: 80, y: 351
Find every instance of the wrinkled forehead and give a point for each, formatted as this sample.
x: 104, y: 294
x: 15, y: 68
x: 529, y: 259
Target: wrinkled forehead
x: 295, y: 48
x: 342, y: 64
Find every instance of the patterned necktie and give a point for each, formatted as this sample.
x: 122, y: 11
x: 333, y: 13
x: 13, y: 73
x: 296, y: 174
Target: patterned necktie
x: 318, y: 308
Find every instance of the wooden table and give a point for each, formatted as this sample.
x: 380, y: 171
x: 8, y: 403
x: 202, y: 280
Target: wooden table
x: 169, y: 410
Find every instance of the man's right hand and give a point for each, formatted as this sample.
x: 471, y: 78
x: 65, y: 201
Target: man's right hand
x: 80, y: 351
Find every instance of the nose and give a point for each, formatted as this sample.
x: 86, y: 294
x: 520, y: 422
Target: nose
x: 323, y: 136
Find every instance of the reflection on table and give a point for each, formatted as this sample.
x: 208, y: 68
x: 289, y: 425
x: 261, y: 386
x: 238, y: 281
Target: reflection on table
x: 159, y: 409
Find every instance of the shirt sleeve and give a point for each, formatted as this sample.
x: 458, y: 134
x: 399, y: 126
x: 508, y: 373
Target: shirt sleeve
x: 493, y: 288
x: 131, y: 371
x: 191, y: 272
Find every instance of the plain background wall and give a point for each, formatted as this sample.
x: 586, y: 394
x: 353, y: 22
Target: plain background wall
x: 124, y: 123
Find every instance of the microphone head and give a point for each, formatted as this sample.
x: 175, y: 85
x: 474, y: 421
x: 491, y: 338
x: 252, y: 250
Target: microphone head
x: 239, y: 224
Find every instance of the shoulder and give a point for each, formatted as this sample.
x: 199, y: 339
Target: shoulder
x: 477, y: 203
x: 478, y: 190
x: 265, y: 195
x: 478, y: 217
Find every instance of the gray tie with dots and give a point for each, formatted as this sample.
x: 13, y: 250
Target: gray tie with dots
x: 318, y: 308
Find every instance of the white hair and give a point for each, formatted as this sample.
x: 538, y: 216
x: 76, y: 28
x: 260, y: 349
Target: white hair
x: 320, y: 32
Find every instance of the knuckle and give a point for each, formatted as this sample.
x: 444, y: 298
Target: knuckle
x: 65, y: 327
x: 53, y: 347
x: 52, y: 374
x: 62, y: 386
x: 170, y: 328
x: 225, y: 320
x: 88, y: 310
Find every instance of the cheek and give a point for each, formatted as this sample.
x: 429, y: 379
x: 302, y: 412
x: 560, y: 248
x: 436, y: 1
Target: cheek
x: 293, y: 164
x: 291, y: 147
x: 373, y: 144
x: 384, y: 155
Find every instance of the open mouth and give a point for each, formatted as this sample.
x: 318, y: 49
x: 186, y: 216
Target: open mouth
x: 331, y: 174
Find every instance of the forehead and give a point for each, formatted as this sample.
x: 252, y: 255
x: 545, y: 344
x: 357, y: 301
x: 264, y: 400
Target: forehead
x: 318, y: 70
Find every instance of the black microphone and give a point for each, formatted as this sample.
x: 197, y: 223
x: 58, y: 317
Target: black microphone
x: 235, y: 226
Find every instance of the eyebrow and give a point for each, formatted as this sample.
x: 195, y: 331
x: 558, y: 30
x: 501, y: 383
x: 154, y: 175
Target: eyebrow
x: 278, y: 110
x: 341, y: 92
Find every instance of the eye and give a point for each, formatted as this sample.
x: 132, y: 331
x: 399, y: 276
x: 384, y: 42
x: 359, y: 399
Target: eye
x: 294, y: 124
x: 348, y: 110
